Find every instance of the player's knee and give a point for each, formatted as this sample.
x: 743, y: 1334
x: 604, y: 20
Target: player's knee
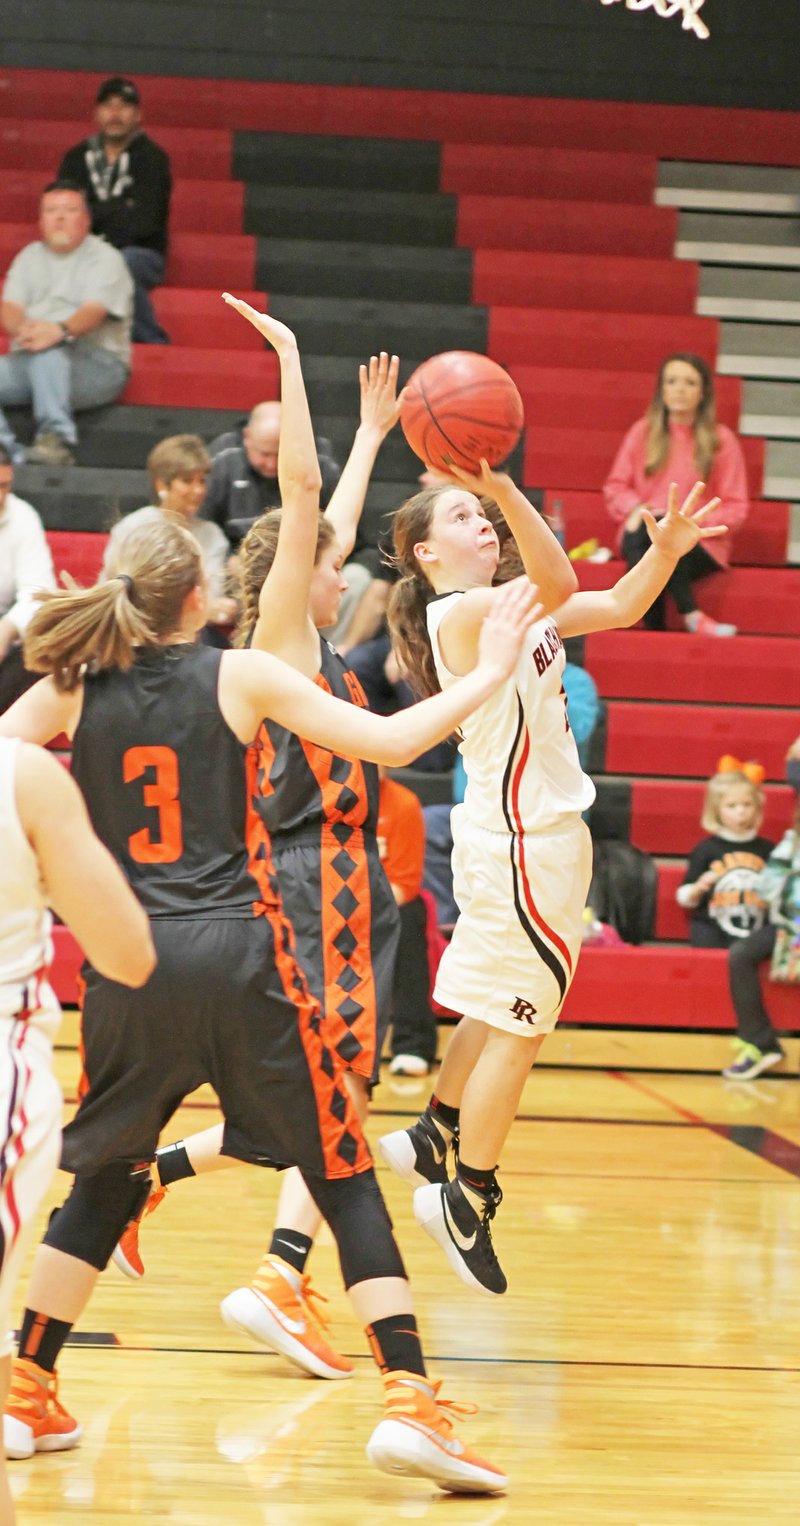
x: 90, y: 1222
x: 359, y: 1219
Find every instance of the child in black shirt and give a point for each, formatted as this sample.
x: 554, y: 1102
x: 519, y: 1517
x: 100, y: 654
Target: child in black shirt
x: 719, y: 888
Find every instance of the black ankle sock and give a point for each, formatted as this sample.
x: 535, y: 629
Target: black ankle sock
x: 395, y: 1344
x: 291, y: 1246
x: 173, y: 1164
x: 41, y: 1339
x: 478, y: 1179
x: 443, y: 1113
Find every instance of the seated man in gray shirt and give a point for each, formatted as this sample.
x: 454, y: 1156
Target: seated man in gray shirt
x: 66, y: 305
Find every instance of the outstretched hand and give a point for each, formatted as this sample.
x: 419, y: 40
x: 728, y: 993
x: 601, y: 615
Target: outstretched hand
x: 380, y: 405
x: 514, y: 610
x: 276, y: 333
x: 682, y: 527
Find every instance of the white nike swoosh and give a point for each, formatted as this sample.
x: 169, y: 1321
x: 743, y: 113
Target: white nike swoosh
x: 454, y: 1232
x: 293, y: 1246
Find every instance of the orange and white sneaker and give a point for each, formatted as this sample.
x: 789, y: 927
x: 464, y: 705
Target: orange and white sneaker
x: 126, y: 1254
x: 277, y: 1312
x: 34, y: 1421
x: 416, y: 1437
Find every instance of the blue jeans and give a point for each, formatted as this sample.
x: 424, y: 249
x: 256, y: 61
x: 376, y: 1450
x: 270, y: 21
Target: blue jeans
x: 147, y: 268
x: 58, y: 383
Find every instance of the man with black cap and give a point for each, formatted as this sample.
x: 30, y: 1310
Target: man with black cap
x: 127, y: 181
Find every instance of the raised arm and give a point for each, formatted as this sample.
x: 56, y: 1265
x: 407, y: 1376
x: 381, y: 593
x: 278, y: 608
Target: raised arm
x: 380, y: 410
x: 283, y: 625
x: 672, y: 536
x: 255, y: 684
x: 545, y: 561
x: 81, y: 881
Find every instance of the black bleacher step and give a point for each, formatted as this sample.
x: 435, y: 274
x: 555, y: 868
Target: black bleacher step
x: 323, y: 324
x: 298, y: 159
x: 122, y: 436
x: 81, y: 497
x: 330, y: 268
x: 386, y: 217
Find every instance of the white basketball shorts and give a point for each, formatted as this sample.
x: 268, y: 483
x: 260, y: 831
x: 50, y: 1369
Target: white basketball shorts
x: 30, y: 1143
x: 516, y: 943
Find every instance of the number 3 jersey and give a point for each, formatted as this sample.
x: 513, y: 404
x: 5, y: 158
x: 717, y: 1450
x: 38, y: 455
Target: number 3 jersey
x: 171, y: 808
x: 523, y: 771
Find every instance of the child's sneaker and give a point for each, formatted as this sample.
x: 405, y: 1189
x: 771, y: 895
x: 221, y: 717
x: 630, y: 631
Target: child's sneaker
x: 34, y: 1421
x: 418, y: 1154
x: 703, y: 625
x: 416, y: 1437
x: 448, y: 1217
x: 276, y: 1312
x: 751, y: 1062
x: 126, y: 1254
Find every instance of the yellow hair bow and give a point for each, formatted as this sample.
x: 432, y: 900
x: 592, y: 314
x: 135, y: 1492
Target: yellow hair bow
x: 755, y: 772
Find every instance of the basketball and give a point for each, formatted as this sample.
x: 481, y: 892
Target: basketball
x: 459, y: 407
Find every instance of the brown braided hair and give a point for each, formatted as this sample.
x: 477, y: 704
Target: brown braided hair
x: 256, y: 556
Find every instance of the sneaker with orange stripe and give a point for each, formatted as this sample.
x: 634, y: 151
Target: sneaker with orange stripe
x: 126, y: 1254
x: 416, y: 1437
x: 34, y: 1421
x: 280, y: 1312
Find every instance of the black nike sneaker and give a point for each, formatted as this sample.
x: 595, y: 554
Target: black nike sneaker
x: 418, y: 1154
x: 446, y: 1214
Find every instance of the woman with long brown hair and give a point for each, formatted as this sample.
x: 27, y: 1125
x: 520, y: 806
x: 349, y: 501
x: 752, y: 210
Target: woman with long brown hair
x: 678, y: 440
x: 161, y: 728
x: 522, y: 853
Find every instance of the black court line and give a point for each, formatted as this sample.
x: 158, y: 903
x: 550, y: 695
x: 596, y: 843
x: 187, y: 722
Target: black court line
x: 774, y: 1148
x: 104, y: 1341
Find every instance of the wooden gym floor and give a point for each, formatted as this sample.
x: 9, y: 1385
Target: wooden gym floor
x: 643, y: 1369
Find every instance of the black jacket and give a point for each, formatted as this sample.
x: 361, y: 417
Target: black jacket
x: 140, y: 214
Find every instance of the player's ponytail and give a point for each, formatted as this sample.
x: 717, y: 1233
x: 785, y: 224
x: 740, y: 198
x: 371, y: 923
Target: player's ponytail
x: 413, y: 592
x: 139, y: 604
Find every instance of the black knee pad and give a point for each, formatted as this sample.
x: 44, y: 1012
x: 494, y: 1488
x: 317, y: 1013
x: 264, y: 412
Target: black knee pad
x: 360, y: 1223
x: 90, y: 1222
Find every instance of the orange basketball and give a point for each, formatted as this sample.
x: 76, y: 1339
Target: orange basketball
x: 459, y: 407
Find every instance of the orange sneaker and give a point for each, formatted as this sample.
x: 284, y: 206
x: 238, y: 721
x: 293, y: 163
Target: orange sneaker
x: 126, y: 1254
x: 34, y: 1421
x: 277, y: 1312
x: 416, y: 1437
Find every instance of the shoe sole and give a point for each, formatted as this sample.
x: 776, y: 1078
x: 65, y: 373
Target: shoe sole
x: 429, y: 1214
x: 758, y: 1070
x: 19, y: 1443
x: 397, y: 1448
x: 247, y: 1314
x: 396, y: 1150
x: 123, y: 1265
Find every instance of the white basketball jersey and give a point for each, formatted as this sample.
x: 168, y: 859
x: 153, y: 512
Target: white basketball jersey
x: 26, y: 950
x: 521, y: 762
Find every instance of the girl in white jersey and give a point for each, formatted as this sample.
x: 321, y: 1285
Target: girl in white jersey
x: 49, y: 856
x: 522, y: 853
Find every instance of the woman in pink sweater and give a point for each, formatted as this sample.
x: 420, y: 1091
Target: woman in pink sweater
x: 679, y: 440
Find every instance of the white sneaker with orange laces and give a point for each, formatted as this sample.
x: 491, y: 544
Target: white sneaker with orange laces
x: 126, y: 1255
x: 278, y: 1312
x: 416, y: 1437
x: 34, y: 1421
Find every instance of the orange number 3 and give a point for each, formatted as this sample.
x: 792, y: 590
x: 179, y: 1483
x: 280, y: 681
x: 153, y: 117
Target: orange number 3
x: 161, y: 794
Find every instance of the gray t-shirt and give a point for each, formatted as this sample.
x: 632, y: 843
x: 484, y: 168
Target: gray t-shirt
x: 53, y: 286
x: 209, y: 537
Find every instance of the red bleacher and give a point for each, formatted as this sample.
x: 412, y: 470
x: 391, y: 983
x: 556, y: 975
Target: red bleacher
x: 665, y: 813
x: 761, y: 601
x: 762, y: 540
x: 606, y: 282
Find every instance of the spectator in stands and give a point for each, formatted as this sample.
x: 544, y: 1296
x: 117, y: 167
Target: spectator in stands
x: 678, y: 440
x: 779, y: 883
x: 179, y: 468
x: 66, y: 306
x: 401, y: 843
x: 25, y: 567
x: 722, y: 876
x: 126, y: 179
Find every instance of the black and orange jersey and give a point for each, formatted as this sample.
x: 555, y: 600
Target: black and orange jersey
x: 164, y: 780
x: 301, y: 785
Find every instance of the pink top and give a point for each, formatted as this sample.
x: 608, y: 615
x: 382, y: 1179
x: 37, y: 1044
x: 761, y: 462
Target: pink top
x: 627, y: 486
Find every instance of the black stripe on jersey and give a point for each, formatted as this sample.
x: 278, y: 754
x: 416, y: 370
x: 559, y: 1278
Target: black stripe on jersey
x: 546, y: 954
